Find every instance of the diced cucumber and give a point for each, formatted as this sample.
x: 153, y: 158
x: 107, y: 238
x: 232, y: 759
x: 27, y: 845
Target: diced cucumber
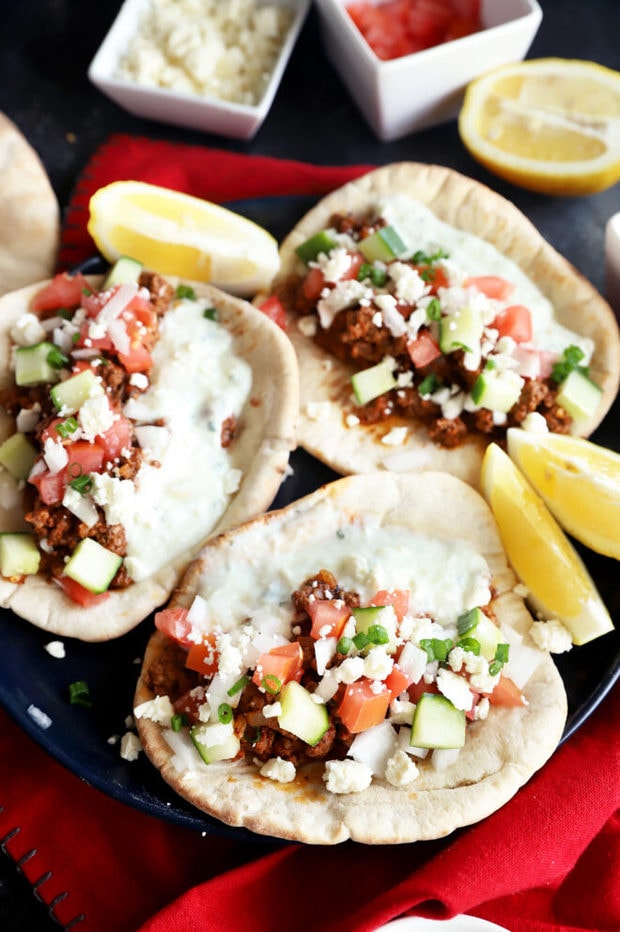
x: 383, y: 615
x: 125, y: 269
x: 203, y: 737
x: 580, y: 396
x: 370, y: 383
x: 19, y: 554
x: 383, y: 245
x: 497, y: 390
x: 301, y: 715
x: 475, y: 624
x: 461, y: 329
x: 92, y: 565
x: 437, y: 723
x: 32, y: 366
x: 70, y: 395
x: 310, y: 249
x: 17, y: 455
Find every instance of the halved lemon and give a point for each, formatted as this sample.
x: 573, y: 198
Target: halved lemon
x: 578, y: 480
x: 551, y: 124
x: 540, y: 553
x: 177, y: 234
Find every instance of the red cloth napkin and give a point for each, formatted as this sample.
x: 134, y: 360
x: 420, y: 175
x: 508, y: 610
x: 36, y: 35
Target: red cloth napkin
x: 548, y: 861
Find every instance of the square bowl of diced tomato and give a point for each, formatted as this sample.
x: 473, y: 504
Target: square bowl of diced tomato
x: 406, y: 63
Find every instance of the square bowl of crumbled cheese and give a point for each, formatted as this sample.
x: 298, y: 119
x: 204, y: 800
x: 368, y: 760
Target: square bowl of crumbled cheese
x: 210, y: 65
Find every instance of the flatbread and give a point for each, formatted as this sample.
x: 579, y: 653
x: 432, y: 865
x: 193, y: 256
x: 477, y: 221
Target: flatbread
x: 468, y: 205
x: 29, y: 213
x: 501, y: 753
x: 260, y: 450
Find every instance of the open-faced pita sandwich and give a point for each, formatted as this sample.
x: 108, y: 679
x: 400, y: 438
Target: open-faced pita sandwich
x: 428, y: 314
x: 29, y: 213
x: 137, y: 420
x: 357, y: 665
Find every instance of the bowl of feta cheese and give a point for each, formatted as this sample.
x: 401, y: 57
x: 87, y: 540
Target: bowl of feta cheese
x: 201, y: 64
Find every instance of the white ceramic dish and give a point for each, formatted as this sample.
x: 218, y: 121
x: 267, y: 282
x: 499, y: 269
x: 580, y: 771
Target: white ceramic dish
x: 456, y: 924
x: 208, y: 114
x: 407, y: 94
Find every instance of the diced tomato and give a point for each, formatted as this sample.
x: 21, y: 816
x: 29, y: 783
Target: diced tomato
x: 278, y: 666
x: 515, y: 322
x: 328, y: 618
x: 398, y: 598
x: 84, y: 457
x: 139, y: 358
x: 434, y: 276
x: 174, y: 623
x: 315, y: 281
x: 490, y: 285
x: 397, y: 681
x: 203, y: 657
x: 64, y: 291
x: 415, y: 690
x: 78, y: 593
x: 534, y: 363
x: 116, y: 438
x: 93, y: 302
x: 50, y: 486
x: 189, y: 704
x: 274, y: 310
x: 100, y: 343
x: 506, y: 693
x: 423, y: 349
x: 362, y: 707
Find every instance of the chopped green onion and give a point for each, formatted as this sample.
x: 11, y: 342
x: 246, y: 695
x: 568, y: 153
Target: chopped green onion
x: 178, y: 721
x: 67, y: 427
x: 436, y: 649
x: 64, y: 312
x: 82, y: 483
x: 469, y: 644
x: 361, y: 640
x: 571, y: 357
x: 56, y: 359
x: 501, y: 653
x: 377, y: 276
x: 429, y: 385
x: 378, y: 634
x: 79, y: 694
x: 433, y: 310
x: 224, y: 713
x: 494, y: 667
x: 238, y: 686
x: 422, y: 258
x: 185, y: 291
x: 271, y: 684
x: 467, y: 621
x: 86, y: 291
x: 210, y: 313
x: 344, y: 645
x: 340, y: 534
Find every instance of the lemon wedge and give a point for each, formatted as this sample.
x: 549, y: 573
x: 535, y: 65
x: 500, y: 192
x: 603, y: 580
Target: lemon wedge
x: 178, y: 234
x: 540, y: 553
x: 551, y: 125
x: 578, y: 481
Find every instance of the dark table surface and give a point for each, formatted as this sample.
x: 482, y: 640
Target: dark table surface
x: 47, y: 45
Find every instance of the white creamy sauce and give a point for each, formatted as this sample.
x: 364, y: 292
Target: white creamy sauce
x: 421, y: 229
x: 445, y: 578
x: 196, y: 382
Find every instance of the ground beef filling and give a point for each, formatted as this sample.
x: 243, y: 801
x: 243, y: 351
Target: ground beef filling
x: 353, y: 338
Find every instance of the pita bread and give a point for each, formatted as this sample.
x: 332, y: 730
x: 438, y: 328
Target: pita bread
x: 325, y: 395
x: 501, y: 753
x: 260, y: 452
x: 29, y: 213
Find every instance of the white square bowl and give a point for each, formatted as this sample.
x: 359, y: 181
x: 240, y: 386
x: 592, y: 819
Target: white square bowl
x: 193, y: 111
x: 407, y: 94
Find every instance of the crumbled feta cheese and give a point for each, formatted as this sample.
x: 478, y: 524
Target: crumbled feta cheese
x: 27, y: 330
x: 401, y: 711
x: 352, y: 420
x: 395, y: 437
x: 346, y: 776
x: 350, y: 669
x: 454, y: 688
x: 481, y: 709
x: 282, y: 771
x: 273, y: 710
x: 535, y: 423
x: 334, y: 265
x: 139, y: 380
x: 95, y: 417
x: 130, y: 746
x: 159, y: 710
x: 410, y: 286
x: 377, y: 664
x: 551, y: 635
x: 344, y: 294
x: 392, y: 318
x: 400, y: 769
x: 56, y: 649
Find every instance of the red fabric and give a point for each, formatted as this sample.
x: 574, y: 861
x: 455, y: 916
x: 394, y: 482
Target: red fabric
x: 548, y: 861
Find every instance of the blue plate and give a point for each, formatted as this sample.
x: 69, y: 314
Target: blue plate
x: 34, y: 686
